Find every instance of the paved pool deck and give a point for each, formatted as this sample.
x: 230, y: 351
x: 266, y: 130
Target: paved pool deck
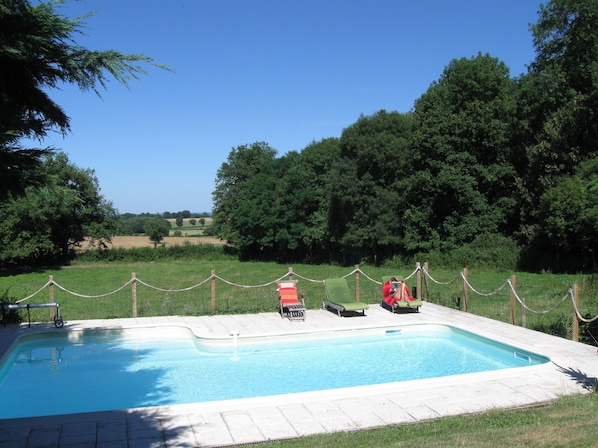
x: 573, y: 369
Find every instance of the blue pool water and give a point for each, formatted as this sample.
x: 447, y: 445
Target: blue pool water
x: 95, y: 371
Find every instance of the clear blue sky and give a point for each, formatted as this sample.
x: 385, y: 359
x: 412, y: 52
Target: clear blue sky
x: 286, y: 72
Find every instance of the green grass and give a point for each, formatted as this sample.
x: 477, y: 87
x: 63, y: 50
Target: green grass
x: 243, y: 287
x: 187, y: 229
x: 570, y: 421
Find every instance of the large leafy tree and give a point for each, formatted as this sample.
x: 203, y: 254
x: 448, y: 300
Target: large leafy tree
x: 306, y: 195
x: 284, y: 207
x: 263, y: 226
x: 367, y: 200
x: 559, y: 95
x: 46, y: 222
x: 156, y: 229
x: 558, y: 129
x: 232, y: 178
x: 38, y: 52
x: 481, y: 153
x: 568, y: 222
x: 464, y: 180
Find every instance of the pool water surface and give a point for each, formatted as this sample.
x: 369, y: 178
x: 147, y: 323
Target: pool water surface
x: 73, y: 372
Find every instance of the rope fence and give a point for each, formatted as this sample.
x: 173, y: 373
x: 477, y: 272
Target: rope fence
x: 420, y: 274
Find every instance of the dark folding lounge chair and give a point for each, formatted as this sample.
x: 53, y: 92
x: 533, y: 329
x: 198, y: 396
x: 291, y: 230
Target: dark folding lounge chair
x: 289, y: 303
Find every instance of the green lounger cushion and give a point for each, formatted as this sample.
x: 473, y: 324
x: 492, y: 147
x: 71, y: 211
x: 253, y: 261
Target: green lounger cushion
x: 354, y: 306
x: 338, y: 292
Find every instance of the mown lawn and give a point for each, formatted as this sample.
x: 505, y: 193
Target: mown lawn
x: 245, y: 287
x: 569, y: 422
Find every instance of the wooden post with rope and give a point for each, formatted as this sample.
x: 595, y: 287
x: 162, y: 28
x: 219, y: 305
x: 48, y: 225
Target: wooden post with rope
x: 465, y: 289
x: 426, y: 285
x: 290, y: 274
x: 513, y: 300
x: 575, y: 331
x: 418, y: 282
x: 213, y: 300
x: 523, y: 316
x: 357, y: 295
x: 134, y: 294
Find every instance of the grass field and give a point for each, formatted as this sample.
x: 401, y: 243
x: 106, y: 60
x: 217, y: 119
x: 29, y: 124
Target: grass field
x: 244, y: 287
x: 569, y: 422
x: 188, y: 229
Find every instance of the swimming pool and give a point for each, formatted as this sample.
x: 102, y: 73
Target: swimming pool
x: 84, y: 371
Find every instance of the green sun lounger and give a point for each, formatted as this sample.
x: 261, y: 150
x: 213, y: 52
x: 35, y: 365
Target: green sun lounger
x: 411, y: 305
x: 340, y: 298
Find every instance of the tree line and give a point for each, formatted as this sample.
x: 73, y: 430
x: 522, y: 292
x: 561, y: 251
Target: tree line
x: 134, y: 224
x: 156, y: 226
x: 483, y: 161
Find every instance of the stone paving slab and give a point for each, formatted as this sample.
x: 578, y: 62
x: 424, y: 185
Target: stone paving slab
x: 574, y: 368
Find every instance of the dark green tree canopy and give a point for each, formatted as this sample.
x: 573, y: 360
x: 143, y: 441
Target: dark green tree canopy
x: 367, y: 194
x: 482, y: 161
x: 156, y: 229
x: 38, y: 53
x: 463, y: 156
x: 45, y: 223
x: 244, y: 162
x: 561, y: 92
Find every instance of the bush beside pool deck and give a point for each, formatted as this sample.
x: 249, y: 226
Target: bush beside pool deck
x: 573, y: 369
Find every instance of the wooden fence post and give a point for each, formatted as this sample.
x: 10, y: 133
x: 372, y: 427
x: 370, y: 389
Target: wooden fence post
x: 51, y: 292
x: 418, y: 283
x: 513, y: 300
x: 213, y: 301
x: 357, y: 295
x: 523, y: 315
x: 426, y: 292
x: 575, y: 330
x: 465, y: 289
x: 134, y: 294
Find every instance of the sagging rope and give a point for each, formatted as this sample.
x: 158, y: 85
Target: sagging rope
x: 252, y: 286
x: 496, y: 291
x: 36, y: 292
x: 84, y: 296
x: 427, y: 274
x: 306, y: 279
x: 520, y: 300
x: 170, y: 289
x: 569, y: 294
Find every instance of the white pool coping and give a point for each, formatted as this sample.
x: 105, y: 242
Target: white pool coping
x: 573, y: 369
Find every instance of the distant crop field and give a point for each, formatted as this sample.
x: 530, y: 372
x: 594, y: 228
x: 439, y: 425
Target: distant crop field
x: 130, y: 242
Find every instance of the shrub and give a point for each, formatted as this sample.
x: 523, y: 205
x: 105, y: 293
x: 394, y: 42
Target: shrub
x: 9, y: 316
x: 185, y: 251
x: 488, y: 251
x: 555, y: 325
